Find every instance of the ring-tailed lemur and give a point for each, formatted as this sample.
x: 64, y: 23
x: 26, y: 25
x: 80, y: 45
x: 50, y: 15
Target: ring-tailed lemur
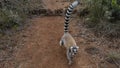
x: 67, y: 40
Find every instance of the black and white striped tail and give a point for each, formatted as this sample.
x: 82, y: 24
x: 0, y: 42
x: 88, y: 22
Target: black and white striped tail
x: 68, y: 14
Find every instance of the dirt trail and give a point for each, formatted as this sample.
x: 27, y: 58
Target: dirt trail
x: 41, y: 49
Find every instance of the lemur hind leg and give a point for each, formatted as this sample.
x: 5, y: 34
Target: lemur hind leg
x: 69, y: 57
x: 61, y: 42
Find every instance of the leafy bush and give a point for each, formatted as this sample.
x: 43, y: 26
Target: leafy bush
x: 8, y: 18
x: 104, y: 17
x: 14, y: 12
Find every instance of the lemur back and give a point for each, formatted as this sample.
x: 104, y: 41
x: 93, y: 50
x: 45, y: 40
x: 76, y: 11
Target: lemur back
x: 67, y: 40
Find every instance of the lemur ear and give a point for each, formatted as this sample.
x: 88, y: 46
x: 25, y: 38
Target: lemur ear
x: 71, y: 47
x: 77, y: 47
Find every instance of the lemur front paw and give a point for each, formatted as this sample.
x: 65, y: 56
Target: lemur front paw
x: 70, y: 62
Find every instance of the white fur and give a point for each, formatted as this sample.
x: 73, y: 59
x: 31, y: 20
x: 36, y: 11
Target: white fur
x: 75, y: 3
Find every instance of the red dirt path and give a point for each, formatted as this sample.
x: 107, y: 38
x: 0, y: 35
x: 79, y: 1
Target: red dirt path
x: 42, y: 50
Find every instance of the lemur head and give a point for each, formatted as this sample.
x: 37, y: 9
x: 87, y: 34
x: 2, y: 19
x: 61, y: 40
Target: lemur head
x: 74, y: 49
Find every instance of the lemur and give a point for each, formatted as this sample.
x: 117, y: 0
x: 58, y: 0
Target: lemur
x: 67, y: 40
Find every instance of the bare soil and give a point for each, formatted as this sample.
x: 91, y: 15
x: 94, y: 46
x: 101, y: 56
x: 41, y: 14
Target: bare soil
x: 37, y: 45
